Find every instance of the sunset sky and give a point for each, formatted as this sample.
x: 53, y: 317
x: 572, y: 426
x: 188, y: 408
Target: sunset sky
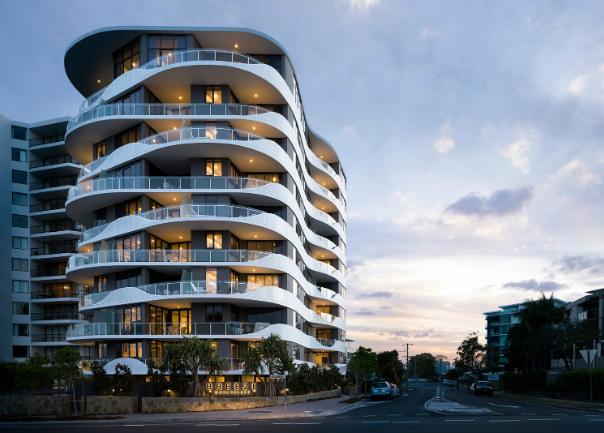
x: 471, y: 133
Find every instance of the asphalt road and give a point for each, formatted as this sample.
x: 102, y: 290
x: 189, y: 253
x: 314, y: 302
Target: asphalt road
x: 404, y: 414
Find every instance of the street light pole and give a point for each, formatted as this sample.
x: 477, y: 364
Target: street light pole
x: 407, y: 363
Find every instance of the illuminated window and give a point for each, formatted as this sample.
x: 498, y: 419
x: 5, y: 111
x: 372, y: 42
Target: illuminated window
x: 99, y: 149
x: 126, y: 58
x: 211, y: 132
x: 263, y: 280
x: 213, y: 167
x: 132, y: 350
x: 211, y: 279
x: 213, y: 95
x: 214, y: 240
x: 267, y: 177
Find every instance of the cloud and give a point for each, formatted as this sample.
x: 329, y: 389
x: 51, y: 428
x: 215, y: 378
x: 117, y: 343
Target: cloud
x: 534, y: 285
x: 378, y: 294
x: 428, y: 33
x: 499, y: 203
x: 579, y: 172
x: 363, y: 5
x: 518, y: 151
x: 577, y: 85
x: 364, y: 312
x: 445, y: 142
x: 580, y: 263
x: 589, y: 85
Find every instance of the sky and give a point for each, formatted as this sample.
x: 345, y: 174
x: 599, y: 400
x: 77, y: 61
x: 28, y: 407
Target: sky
x: 471, y: 133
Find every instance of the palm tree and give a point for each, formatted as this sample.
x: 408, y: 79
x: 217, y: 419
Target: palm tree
x: 252, y: 362
x: 194, y: 354
x: 276, y: 359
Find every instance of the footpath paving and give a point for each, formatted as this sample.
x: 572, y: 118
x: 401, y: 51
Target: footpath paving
x: 554, y: 402
x: 327, y: 407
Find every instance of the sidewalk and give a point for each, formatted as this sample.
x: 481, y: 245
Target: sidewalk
x: 319, y: 408
x: 442, y: 406
x: 554, y: 402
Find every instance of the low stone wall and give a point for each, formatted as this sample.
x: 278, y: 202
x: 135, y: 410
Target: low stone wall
x: 203, y: 404
x: 110, y: 405
x: 34, y: 405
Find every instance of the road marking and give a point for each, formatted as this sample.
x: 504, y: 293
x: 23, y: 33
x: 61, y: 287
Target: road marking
x: 593, y: 414
x: 406, y: 422
x: 559, y: 414
x: 460, y: 420
x: 396, y: 414
x: 216, y: 425
x: 504, y: 420
x: 377, y: 421
x: 505, y: 405
x: 597, y: 419
x: 367, y: 416
x: 543, y: 419
x: 528, y: 414
x: 296, y: 423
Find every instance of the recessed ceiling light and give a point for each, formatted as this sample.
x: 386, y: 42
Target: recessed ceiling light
x: 321, y: 157
x: 98, y: 81
x: 251, y: 160
x: 253, y: 128
x: 173, y: 198
x: 255, y: 95
x: 134, y: 64
x: 255, y: 236
x: 174, y: 128
x: 236, y: 46
x: 180, y: 98
x: 180, y: 237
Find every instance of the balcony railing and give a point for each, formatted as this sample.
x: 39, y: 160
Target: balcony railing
x: 183, y: 211
x: 183, y: 134
x: 125, y: 109
x: 148, y: 183
x: 55, y: 316
x: 58, y: 226
x: 62, y: 159
x: 47, y: 338
x: 48, y: 272
x: 147, y: 329
x: 46, y: 140
x: 61, y: 248
x: 51, y: 294
x: 53, y: 183
x: 327, y: 342
x: 47, y: 205
x: 166, y: 256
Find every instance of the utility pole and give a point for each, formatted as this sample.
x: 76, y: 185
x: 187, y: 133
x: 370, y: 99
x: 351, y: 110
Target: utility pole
x: 407, y: 362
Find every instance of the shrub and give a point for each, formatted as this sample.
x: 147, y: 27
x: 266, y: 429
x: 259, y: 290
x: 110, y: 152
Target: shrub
x: 100, y: 380
x: 158, y: 381
x: 123, y: 381
x: 305, y: 379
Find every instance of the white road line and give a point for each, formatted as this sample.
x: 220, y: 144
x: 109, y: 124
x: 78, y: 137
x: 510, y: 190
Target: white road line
x: 593, y: 414
x: 215, y: 425
x: 505, y: 405
x: 504, y: 420
x: 375, y: 422
x: 597, y: 419
x: 396, y: 414
x: 460, y: 420
x: 296, y: 423
x: 367, y: 416
x: 528, y: 414
x: 406, y: 422
x: 543, y: 419
x: 343, y: 416
x: 559, y: 414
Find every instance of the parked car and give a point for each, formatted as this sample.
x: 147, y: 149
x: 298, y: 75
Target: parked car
x: 380, y: 389
x: 482, y: 387
x: 395, y: 391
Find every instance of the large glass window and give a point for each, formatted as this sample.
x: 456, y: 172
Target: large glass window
x: 19, y: 155
x: 20, y: 330
x: 99, y: 149
x: 269, y: 246
x: 164, y: 45
x: 20, y: 286
x: 132, y: 242
x: 267, y: 177
x: 211, y: 279
x: 129, y: 316
x: 20, y: 265
x: 214, y: 240
x: 18, y: 132
x: 20, y: 308
x: 131, y: 278
x: 214, y: 313
x: 131, y: 135
x: 263, y: 280
x: 130, y: 207
x: 20, y: 243
x: 19, y: 176
x: 100, y: 283
x: 20, y: 199
x: 132, y: 350
x: 213, y: 95
x: 181, y: 321
x: 213, y: 167
x: 156, y: 243
x: 126, y: 58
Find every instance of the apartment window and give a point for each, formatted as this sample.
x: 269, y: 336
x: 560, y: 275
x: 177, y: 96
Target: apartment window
x: 19, y: 155
x: 126, y: 58
x: 214, y: 313
x: 132, y: 350
x: 20, y: 265
x: 211, y: 278
x: 19, y: 199
x: 20, y: 243
x: 263, y: 280
x: 156, y: 243
x: 100, y: 283
x: 324, y: 333
x: 99, y: 149
x: 20, y: 221
x: 131, y: 135
x: 213, y: 167
x: 267, y: 177
x: 130, y: 278
x: 20, y: 330
x: 164, y: 45
x: 20, y: 286
x: 268, y: 246
x: 20, y: 308
x: 20, y: 176
x: 130, y: 207
x: 158, y: 350
x: 213, y: 95
x: 214, y: 240
x: 131, y: 170
x: 130, y: 315
x: 18, y: 132
x: 181, y: 319
x: 323, y: 309
x: 20, y: 351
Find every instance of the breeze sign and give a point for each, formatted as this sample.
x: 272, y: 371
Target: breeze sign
x: 231, y: 388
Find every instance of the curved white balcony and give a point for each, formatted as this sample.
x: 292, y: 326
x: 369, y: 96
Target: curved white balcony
x: 195, y: 135
x: 230, y: 330
x: 104, y: 260
x: 198, y: 184
x: 193, y: 291
x: 197, y: 212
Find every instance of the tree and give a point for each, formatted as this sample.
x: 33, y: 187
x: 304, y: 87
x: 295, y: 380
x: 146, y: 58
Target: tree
x: 390, y: 367
x: 362, y: 364
x: 530, y: 342
x: 470, y: 355
x: 252, y: 362
x: 100, y: 380
x: 195, y: 355
x: 568, y: 336
x: 275, y: 358
x: 423, y: 365
x: 123, y: 381
x: 65, y: 367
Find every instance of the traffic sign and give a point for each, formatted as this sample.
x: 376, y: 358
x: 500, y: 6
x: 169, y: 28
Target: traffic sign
x: 588, y: 355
